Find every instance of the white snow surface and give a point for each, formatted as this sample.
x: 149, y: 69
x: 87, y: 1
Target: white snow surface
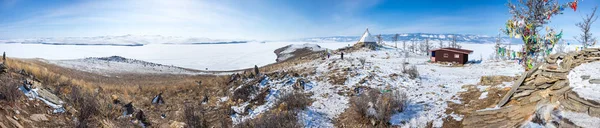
x: 582, y: 87
x: 582, y: 119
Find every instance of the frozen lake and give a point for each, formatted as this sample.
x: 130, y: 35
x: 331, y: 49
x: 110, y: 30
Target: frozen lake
x: 212, y: 56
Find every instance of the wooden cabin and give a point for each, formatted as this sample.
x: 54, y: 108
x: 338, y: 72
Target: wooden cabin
x: 451, y: 55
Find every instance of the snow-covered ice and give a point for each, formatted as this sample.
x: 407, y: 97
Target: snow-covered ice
x: 215, y: 57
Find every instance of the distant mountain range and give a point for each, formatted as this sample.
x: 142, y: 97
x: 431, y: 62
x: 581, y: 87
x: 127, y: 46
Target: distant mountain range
x: 125, y: 40
x: 463, y: 38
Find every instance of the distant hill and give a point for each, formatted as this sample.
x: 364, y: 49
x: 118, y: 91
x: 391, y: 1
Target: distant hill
x: 468, y: 38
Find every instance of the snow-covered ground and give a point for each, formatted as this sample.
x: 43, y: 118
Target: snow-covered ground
x: 582, y: 86
x: 115, y: 65
x: 429, y: 95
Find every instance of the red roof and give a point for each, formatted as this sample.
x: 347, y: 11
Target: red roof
x: 463, y: 51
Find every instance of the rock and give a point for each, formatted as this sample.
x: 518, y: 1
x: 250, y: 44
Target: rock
x: 594, y: 111
x: 49, y: 96
x: 527, y: 87
x: 14, y: 122
x: 2, y: 125
x: 573, y: 105
x: 523, y: 93
x: 39, y: 117
x: 552, y: 67
x: 544, y: 86
x: 585, y: 77
x: 573, y: 96
x: 554, y: 75
x: 594, y: 81
x: 176, y: 124
x: 559, y: 85
x: 540, y: 81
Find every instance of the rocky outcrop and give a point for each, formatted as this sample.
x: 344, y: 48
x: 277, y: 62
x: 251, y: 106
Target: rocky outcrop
x: 545, y: 84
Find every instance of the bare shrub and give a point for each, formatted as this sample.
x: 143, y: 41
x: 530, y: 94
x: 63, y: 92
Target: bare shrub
x: 194, y: 116
x: 86, y: 106
x: 8, y: 89
x: 244, y: 92
x: 378, y: 107
x: 412, y: 72
x: 364, y: 102
x: 284, y: 119
x: 389, y: 103
x: 295, y: 101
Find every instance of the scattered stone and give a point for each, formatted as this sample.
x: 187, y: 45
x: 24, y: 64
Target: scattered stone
x: 39, y: 117
x: 552, y: 67
x: 14, y: 122
x: 176, y: 124
x: 573, y: 105
x: 594, y: 81
x: 523, y: 93
x: 585, y: 77
x: 115, y: 99
x: 158, y: 99
x: 593, y: 111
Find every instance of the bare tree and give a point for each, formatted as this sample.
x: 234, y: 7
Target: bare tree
x: 561, y: 47
x: 586, y: 37
x: 395, y: 38
x: 404, y: 45
x: 497, y: 47
x: 441, y: 44
x: 427, y: 46
x: 453, y: 43
x: 528, y: 16
x: 379, y: 39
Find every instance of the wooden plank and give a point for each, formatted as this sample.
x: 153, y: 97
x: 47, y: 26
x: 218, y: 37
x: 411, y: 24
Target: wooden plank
x: 516, y: 85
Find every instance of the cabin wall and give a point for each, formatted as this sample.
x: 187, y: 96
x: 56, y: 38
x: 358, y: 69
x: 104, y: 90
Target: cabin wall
x: 450, y: 57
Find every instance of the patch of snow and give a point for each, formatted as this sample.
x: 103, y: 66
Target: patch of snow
x: 483, y: 95
x: 488, y: 109
x: 312, y: 119
x: 582, y: 119
x: 530, y: 124
x: 223, y: 99
x: 115, y: 65
x: 583, y: 87
x: 33, y: 94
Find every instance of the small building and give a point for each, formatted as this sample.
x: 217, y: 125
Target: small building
x: 367, y: 40
x: 452, y: 55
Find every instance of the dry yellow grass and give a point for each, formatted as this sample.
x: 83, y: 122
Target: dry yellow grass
x: 140, y: 88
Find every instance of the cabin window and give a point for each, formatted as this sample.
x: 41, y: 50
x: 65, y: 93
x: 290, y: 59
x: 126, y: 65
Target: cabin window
x: 445, y: 55
x: 456, y: 56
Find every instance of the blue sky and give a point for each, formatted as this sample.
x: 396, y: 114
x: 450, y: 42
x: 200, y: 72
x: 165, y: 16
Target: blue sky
x: 261, y: 19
